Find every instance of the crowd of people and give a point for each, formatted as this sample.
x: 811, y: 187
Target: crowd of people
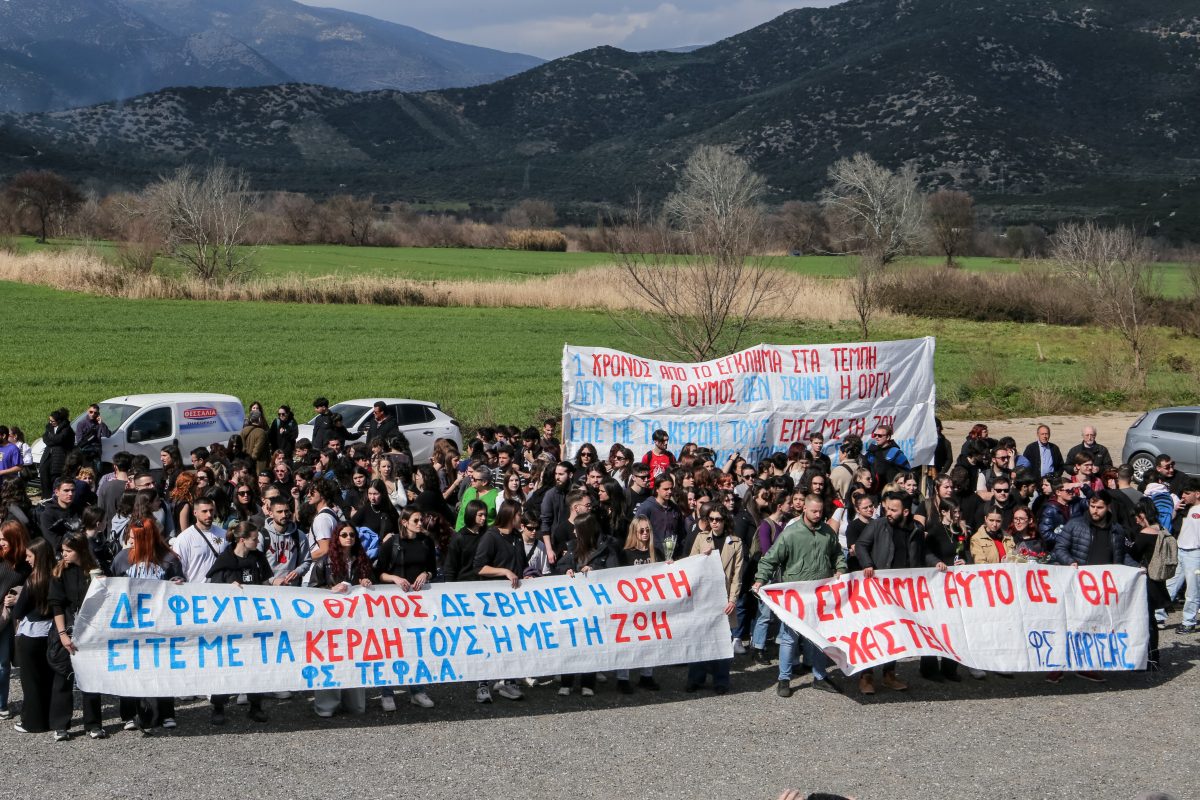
x: 350, y: 508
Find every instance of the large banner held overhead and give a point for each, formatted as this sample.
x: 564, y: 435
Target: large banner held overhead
x: 140, y: 638
x: 1004, y: 617
x: 756, y: 402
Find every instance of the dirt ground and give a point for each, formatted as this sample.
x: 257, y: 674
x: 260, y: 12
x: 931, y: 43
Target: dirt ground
x: 1064, y: 430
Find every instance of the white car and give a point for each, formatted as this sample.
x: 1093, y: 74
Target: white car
x: 421, y: 422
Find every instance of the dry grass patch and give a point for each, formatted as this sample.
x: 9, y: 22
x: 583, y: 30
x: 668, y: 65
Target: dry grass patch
x: 603, y: 288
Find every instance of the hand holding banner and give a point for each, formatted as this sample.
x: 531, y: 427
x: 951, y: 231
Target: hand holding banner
x: 1006, y: 617
x: 160, y: 639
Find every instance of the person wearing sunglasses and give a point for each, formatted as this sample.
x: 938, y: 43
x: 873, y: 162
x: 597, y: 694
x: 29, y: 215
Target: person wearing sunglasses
x: 884, y: 457
x: 718, y: 541
x: 345, y: 567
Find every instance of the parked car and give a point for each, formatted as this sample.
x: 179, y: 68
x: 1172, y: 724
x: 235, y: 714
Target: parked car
x: 143, y: 424
x: 1172, y: 431
x: 421, y: 422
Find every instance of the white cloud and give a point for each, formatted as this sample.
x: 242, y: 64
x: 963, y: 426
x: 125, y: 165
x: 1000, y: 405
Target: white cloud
x: 549, y: 29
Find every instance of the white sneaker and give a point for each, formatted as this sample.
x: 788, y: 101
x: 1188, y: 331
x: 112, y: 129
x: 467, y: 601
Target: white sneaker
x: 130, y: 725
x: 242, y: 700
x: 322, y: 713
x: 739, y: 649
x: 977, y: 674
x: 510, y: 691
x: 483, y: 695
x: 586, y: 692
x: 169, y: 723
x: 421, y: 699
x: 564, y: 691
x: 601, y: 677
x: 282, y: 695
x: 388, y: 702
x: 530, y: 682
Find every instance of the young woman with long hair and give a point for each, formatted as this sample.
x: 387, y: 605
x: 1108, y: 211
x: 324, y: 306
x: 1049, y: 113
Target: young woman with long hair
x: 68, y: 587
x: 243, y: 563
x: 376, y: 511
x: 245, y: 503
x: 511, y: 492
x: 408, y: 560
x: 147, y: 558
x: 182, y: 497
x: 346, y: 566
x: 14, y: 569
x: 586, y: 552
x: 30, y: 606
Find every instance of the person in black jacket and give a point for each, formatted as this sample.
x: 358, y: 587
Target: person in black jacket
x: 31, y: 607
x: 241, y: 564
x: 460, y: 555
x: 380, y: 425
x: 945, y: 538
x: 68, y: 587
x: 892, y: 541
x: 408, y: 560
x: 322, y: 425
x: 59, y: 440
x: 14, y: 569
x: 283, y: 432
x: 586, y: 551
x: 1043, y: 455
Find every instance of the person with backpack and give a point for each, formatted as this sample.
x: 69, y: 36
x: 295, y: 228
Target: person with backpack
x: 1155, y: 550
x: 884, y: 457
x: 768, y: 531
x: 408, y: 560
x: 345, y: 567
x: 658, y: 458
x: 849, y: 462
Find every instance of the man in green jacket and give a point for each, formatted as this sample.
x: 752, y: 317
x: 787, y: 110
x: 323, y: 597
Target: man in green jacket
x: 806, y: 550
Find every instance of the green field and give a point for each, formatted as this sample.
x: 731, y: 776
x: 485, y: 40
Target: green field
x: 459, y: 264
x: 483, y: 365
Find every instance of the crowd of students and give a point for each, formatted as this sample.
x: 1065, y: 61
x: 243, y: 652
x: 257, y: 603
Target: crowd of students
x: 334, y: 513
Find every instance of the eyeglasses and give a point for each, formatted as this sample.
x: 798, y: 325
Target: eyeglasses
x: 1001, y: 491
x: 346, y: 535
x: 878, y: 435
x: 716, y: 518
x: 282, y: 415
x: 643, y: 530
x: 1170, y: 464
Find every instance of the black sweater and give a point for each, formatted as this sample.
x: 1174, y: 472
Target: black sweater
x: 252, y: 569
x: 408, y: 558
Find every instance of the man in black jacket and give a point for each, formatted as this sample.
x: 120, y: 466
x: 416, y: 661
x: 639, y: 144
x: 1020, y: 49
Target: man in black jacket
x: 1043, y: 456
x: 893, y: 541
x: 380, y: 425
x: 58, y: 439
x: 1098, y: 452
x: 322, y: 425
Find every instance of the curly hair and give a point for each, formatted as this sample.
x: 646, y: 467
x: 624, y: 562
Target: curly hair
x: 185, y: 487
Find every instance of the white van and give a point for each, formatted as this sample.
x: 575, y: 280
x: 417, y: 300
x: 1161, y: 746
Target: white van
x: 146, y: 423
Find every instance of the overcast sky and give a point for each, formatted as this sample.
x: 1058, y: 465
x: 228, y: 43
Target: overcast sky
x: 552, y: 28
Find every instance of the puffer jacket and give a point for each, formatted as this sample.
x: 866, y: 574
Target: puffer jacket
x: 1075, y: 541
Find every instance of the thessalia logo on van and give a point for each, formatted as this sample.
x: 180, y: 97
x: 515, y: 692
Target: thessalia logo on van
x: 201, y: 413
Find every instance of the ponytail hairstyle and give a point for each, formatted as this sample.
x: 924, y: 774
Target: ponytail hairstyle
x: 242, y: 530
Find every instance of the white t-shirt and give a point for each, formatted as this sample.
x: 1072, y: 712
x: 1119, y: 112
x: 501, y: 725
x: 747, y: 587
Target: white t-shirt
x: 197, y: 550
x: 1189, y: 531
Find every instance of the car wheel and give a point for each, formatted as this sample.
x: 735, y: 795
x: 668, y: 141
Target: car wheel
x: 1141, y: 463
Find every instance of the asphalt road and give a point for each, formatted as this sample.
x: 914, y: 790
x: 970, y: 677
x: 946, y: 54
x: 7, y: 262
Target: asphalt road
x: 995, y: 738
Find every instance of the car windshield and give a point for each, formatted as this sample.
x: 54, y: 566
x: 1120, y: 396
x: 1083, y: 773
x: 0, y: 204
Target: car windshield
x: 113, y: 415
x: 350, y: 412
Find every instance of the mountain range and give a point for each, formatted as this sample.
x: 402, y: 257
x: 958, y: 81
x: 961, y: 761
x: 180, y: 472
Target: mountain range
x: 1075, y: 105
x: 61, y: 53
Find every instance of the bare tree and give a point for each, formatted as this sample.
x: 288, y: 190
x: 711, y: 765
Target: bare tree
x: 531, y: 213
x: 47, y: 195
x: 707, y: 297
x: 299, y: 211
x: 801, y: 227
x: 204, y: 219
x: 879, y: 214
x: 356, y: 215
x: 1115, y: 272
x: 951, y: 217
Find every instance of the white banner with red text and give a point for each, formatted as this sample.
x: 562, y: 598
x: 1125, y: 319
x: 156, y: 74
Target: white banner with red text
x: 755, y: 402
x: 161, y: 639
x: 1003, y: 617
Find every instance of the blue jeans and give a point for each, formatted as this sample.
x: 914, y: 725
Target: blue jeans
x: 6, y: 654
x: 788, y: 641
x: 1189, y: 562
x: 762, y: 625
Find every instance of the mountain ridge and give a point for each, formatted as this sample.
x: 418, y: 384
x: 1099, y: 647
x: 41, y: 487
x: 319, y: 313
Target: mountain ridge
x: 1066, y: 103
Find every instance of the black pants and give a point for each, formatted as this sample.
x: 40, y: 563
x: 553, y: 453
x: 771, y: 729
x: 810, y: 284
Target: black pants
x: 149, y: 711
x: 62, y: 706
x: 932, y: 665
x: 37, y: 680
x: 587, y: 680
x: 220, y: 700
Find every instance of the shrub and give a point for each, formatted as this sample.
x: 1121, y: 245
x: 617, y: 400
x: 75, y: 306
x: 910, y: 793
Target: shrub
x: 537, y: 240
x: 1026, y: 296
